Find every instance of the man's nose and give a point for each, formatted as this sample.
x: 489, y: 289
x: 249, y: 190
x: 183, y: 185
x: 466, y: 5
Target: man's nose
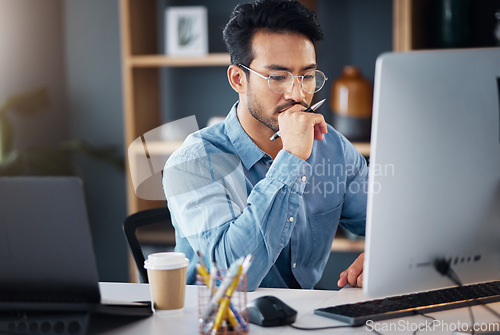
x: 296, y: 92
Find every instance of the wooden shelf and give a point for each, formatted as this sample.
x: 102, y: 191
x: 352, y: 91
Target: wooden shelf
x: 363, y: 148
x: 168, y: 147
x: 402, y: 25
x: 215, y: 59
x: 342, y: 244
x: 154, y: 236
x: 155, y: 148
x: 149, y: 236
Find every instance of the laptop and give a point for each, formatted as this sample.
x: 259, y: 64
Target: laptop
x: 47, y: 259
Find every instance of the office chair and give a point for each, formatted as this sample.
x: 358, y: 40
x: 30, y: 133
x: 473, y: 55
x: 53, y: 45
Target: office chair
x: 146, y: 232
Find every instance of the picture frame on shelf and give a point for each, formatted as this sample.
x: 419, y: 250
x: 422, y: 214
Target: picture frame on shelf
x: 186, y: 31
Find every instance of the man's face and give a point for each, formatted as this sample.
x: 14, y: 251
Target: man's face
x: 294, y: 53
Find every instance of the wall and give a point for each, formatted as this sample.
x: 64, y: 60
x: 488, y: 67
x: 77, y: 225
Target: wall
x: 72, y: 49
x: 93, y: 71
x: 31, y: 57
x: 356, y: 32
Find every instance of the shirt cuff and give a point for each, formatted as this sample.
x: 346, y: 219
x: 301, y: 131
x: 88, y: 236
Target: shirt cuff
x: 290, y: 170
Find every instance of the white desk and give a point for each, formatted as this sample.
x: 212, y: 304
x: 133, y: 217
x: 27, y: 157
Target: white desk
x: 304, y: 301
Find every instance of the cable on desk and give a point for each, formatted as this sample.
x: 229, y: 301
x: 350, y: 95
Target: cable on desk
x: 444, y: 268
x: 425, y: 316
x: 322, y: 328
x: 350, y: 326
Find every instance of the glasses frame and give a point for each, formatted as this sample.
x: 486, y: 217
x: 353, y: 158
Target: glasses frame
x: 291, y: 84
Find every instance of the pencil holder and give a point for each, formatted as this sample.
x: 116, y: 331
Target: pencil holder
x: 226, y: 315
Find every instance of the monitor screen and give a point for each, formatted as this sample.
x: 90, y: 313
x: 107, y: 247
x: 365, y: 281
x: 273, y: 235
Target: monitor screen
x: 434, y: 187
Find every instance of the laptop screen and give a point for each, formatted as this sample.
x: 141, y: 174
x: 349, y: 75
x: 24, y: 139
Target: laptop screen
x: 46, y: 252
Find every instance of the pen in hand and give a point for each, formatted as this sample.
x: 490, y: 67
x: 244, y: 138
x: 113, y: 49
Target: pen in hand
x: 309, y: 110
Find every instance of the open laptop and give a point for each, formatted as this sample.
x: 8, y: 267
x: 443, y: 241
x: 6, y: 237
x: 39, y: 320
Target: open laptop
x: 47, y: 260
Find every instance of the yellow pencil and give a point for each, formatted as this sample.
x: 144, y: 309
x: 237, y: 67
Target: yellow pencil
x: 224, y: 303
x: 206, y: 279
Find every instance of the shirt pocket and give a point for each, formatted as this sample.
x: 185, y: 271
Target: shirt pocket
x: 323, y: 227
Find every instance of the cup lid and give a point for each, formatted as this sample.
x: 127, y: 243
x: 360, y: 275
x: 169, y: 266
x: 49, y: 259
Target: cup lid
x: 166, y: 261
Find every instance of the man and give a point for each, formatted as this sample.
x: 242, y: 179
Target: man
x: 232, y: 191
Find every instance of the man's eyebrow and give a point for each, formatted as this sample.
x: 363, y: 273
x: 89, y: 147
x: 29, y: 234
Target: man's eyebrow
x: 276, y: 67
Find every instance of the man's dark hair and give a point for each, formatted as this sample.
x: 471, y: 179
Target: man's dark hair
x: 278, y: 16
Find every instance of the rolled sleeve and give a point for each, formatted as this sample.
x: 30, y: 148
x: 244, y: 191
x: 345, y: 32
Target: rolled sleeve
x: 291, y: 171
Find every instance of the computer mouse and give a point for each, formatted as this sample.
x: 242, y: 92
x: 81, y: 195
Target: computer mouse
x: 269, y: 311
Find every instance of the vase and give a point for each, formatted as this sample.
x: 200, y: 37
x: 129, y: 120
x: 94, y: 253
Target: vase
x: 351, y: 104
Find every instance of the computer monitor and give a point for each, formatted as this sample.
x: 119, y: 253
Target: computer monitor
x: 434, y: 185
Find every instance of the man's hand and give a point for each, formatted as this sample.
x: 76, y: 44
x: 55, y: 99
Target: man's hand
x: 299, y: 130
x: 354, y: 273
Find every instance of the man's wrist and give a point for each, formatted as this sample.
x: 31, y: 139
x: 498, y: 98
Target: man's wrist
x: 298, y: 155
x: 290, y: 170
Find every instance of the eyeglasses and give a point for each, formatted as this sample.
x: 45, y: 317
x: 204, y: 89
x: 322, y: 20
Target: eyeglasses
x: 282, y: 81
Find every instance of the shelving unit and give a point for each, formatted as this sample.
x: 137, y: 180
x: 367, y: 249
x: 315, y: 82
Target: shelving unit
x: 141, y: 65
x: 416, y: 28
x: 141, y: 76
x: 141, y: 70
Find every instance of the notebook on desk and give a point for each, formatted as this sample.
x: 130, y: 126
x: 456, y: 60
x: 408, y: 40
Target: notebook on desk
x: 47, y: 260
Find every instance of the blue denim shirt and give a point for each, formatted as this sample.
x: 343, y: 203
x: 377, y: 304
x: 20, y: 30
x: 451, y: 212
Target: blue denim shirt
x: 228, y: 199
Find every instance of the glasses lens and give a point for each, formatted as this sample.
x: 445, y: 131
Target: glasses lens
x: 280, y: 81
x: 313, y: 81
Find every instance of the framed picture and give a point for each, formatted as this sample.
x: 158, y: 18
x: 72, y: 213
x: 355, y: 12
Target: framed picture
x: 186, y: 31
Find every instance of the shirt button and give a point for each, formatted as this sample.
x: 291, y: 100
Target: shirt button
x: 294, y: 265
x: 304, y: 178
x: 290, y: 219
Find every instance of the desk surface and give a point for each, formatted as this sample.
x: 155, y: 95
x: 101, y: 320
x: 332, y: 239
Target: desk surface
x: 304, y: 301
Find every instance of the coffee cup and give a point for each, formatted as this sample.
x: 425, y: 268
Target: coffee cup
x: 167, y: 280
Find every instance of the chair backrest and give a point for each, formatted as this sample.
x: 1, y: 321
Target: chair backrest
x: 151, y: 227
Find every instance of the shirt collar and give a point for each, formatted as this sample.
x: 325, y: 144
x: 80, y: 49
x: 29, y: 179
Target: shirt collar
x: 246, y: 149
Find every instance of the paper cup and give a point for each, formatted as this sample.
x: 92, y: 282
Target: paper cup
x: 167, y: 280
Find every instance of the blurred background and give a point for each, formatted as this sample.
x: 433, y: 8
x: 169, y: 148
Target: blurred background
x: 65, y: 57
x: 61, y: 87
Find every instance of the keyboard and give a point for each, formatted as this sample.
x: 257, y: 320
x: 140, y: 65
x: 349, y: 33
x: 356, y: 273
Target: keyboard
x: 357, y: 314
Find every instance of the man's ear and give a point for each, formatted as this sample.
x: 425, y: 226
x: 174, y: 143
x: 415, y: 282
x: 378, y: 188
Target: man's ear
x: 237, y: 78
